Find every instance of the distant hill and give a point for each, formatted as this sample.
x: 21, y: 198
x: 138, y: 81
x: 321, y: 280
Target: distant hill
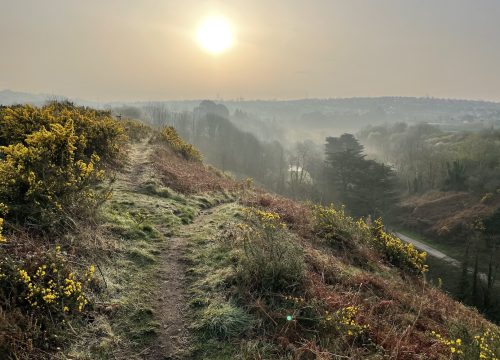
x: 313, y: 118
x: 9, y: 97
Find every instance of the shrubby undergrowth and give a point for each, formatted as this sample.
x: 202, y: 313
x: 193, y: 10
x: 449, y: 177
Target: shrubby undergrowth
x: 340, y: 229
x: 273, y: 259
x: 52, y: 162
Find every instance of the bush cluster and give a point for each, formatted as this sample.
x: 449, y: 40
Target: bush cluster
x: 179, y: 145
x: 52, y: 161
x: 397, y: 251
x: 51, y: 158
x: 273, y: 260
x: 337, y: 227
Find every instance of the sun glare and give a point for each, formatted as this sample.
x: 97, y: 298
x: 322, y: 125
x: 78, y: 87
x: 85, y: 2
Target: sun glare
x: 215, y: 35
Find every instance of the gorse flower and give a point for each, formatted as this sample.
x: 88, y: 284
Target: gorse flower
x: 488, y: 344
x: 51, y: 285
x: 344, y: 321
x: 453, y: 345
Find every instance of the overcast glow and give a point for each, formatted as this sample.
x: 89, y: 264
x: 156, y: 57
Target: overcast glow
x: 260, y: 49
x: 215, y: 35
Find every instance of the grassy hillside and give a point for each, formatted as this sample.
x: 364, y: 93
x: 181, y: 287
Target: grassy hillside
x: 176, y: 260
x: 465, y: 227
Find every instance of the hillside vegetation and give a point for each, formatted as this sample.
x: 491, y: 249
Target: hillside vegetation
x: 119, y: 243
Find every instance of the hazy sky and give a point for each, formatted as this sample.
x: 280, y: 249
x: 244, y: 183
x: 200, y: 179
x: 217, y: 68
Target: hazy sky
x: 146, y: 49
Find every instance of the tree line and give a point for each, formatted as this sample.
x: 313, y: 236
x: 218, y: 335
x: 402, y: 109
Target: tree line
x: 426, y: 158
x: 339, y: 172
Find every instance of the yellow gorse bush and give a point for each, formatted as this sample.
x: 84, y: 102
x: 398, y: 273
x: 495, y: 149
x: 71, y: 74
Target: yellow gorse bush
x: 98, y: 131
x: 179, y: 145
x: 51, y: 157
x: 397, y: 251
x: 52, y: 286
x: 333, y: 224
x: 453, y: 345
x: 42, y: 177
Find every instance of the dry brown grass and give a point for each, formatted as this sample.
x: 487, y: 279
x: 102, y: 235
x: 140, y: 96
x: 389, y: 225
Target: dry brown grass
x: 441, y: 213
x: 401, y: 310
x: 296, y: 215
x: 189, y: 177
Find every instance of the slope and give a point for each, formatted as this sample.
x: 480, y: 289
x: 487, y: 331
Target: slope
x: 204, y: 267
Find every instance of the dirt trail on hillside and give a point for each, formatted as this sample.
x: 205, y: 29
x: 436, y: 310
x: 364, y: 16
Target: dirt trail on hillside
x: 139, y: 164
x: 170, y: 300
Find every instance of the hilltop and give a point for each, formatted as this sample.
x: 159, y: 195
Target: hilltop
x: 178, y: 260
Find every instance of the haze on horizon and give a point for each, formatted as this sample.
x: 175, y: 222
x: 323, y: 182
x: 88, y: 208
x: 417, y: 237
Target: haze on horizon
x: 131, y: 50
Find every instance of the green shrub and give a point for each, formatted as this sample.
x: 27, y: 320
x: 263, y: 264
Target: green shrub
x: 273, y: 259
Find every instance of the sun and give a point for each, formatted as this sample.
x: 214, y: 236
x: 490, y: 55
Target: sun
x: 215, y: 35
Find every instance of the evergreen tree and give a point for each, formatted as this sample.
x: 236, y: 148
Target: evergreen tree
x: 364, y: 186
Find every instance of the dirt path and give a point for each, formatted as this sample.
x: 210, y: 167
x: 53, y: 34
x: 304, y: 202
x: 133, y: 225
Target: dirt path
x: 170, y: 298
x: 171, y: 303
